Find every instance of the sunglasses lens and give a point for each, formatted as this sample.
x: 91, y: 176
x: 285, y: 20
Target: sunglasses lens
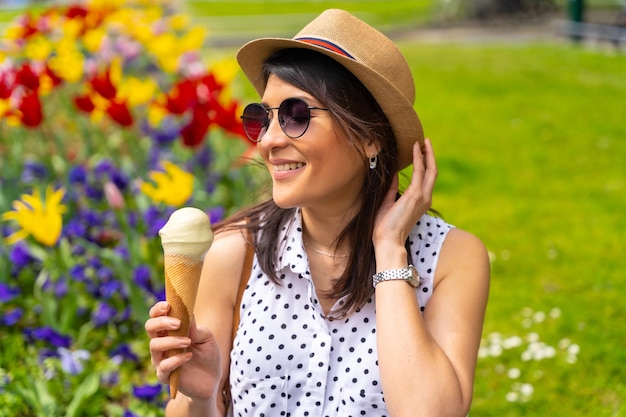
x: 294, y: 117
x: 255, y: 121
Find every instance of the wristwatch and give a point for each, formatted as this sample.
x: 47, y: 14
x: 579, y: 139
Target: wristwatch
x: 409, y: 274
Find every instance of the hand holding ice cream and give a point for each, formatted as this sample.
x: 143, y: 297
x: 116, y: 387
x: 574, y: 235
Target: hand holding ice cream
x: 186, y: 238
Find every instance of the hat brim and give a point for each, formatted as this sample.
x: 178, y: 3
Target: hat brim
x: 404, y: 121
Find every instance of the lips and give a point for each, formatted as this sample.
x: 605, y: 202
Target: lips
x: 288, y: 167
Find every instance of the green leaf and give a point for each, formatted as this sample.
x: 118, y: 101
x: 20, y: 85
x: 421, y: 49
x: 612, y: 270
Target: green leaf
x: 85, y: 390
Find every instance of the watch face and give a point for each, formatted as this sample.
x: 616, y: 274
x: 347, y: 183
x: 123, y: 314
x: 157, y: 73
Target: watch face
x: 415, y: 279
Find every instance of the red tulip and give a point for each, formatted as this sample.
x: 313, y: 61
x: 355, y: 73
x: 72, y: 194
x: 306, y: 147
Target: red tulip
x: 26, y: 76
x: 30, y: 107
x: 119, y: 112
x: 193, y: 133
x: 84, y: 103
x: 102, y: 85
x: 181, y: 97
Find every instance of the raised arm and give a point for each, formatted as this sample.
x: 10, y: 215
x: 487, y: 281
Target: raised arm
x: 427, y: 363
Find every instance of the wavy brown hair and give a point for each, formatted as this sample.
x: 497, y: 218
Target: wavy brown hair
x: 356, y: 112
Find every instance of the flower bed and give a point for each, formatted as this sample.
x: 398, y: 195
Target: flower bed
x: 111, y: 117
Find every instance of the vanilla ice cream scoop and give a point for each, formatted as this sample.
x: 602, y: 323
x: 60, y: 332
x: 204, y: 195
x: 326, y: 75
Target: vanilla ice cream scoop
x: 186, y: 238
x: 187, y: 233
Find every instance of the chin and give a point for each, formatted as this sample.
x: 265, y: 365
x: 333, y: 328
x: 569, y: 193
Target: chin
x: 285, y: 200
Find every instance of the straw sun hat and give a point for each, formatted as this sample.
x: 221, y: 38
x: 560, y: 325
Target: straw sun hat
x: 372, y: 57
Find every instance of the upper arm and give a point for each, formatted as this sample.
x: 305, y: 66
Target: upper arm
x: 455, y: 313
x: 217, y: 292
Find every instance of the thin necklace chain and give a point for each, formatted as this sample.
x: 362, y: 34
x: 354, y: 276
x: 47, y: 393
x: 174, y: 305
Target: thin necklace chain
x: 330, y: 255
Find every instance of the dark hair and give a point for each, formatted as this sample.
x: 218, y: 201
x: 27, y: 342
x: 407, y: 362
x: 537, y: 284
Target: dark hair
x: 356, y: 111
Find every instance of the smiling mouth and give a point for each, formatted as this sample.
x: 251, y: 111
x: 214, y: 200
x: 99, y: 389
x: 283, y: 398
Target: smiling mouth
x: 288, y: 167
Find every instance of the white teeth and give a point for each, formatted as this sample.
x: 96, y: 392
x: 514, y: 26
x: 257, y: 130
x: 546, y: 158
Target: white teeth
x: 288, y: 167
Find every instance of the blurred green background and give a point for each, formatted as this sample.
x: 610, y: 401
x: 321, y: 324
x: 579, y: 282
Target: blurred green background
x: 531, y: 146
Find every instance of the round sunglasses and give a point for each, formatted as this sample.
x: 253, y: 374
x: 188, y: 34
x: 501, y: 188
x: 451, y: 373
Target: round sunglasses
x: 294, y: 116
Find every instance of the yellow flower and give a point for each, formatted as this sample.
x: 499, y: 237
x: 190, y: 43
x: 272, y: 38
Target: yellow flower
x: 36, y: 217
x: 156, y: 112
x: 93, y: 39
x: 137, y: 91
x: 225, y: 72
x: 193, y: 40
x: 164, y: 47
x: 68, y: 63
x: 172, y: 187
x: 38, y: 48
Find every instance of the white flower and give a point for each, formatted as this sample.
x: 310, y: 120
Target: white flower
x: 512, y: 342
x: 564, y: 343
x: 512, y: 397
x: 573, y: 349
x: 514, y: 373
x: 526, y: 390
x: 532, y: 337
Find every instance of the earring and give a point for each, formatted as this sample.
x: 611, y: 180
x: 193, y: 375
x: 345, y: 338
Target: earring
x: 373, y: 161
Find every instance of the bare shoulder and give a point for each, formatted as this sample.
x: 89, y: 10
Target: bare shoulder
x: 221, y: 272
x: 463, y: 254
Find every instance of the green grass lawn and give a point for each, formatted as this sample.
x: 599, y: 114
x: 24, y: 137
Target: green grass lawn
x: 531, y: 144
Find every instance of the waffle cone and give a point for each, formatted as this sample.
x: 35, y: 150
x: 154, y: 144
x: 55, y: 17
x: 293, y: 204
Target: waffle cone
x: 182, y: 275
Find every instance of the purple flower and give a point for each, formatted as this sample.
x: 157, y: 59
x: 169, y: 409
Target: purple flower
x: 124, y: 350
x: 103, y: 169
x: 20, y: 255
x: 94, y: 263
x: 210, y: 182
x: 91, y: 218
x: 155, y: 221
x: 163, y: 136
x: 48, y: 334
x: 61, y: 287
x: 8, y: 293
x: 12, y: 316
x: 147, y: 392
x: 128, y: 413
x: 77, y: 273
x: 120, y: 180
x: 94, y: 193
x: 141, y: 277
x: 78, y: 250
x: 216, y: 214
x: 110, y: 288
x: 71, y: 361
x: 74, y: 228
x: 33, y: 172
x: 77, y: 175
x: 204, y: 157
x: 122, y: 252
x: 103, y: 314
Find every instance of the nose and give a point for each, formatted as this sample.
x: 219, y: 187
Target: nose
x: 274, y: 136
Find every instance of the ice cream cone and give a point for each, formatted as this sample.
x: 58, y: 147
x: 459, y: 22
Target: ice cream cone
x: 186, y: 238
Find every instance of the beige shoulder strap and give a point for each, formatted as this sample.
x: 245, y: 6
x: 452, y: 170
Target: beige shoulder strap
x: 243, y: 282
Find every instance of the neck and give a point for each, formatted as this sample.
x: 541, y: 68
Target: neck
x: 321, y: 231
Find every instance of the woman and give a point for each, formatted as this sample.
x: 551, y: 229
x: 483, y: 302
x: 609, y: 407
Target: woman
x: 335, y: 319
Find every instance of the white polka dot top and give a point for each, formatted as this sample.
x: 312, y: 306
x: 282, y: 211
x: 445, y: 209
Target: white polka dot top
x: 288, y: 360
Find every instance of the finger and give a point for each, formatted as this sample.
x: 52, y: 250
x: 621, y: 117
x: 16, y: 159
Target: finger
x: 431, y: 166
x: 162, y: 345
x: 165, y: 367
x: 160, y: 326
x: 159, y: 309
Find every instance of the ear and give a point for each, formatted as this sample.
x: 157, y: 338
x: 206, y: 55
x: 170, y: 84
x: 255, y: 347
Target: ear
x: 372, y: 148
